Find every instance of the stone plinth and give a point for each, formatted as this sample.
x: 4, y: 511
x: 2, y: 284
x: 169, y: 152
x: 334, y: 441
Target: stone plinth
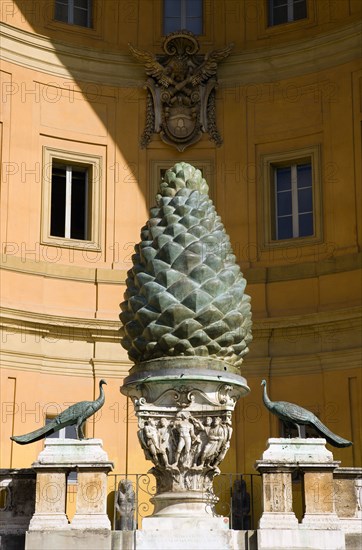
x: 348, y: 501
x: 58, y: 458
x: 91, y: 505
x: 185, y: 428
x: 50, y: 501
x: 278, y: 526
x: 319, y: 498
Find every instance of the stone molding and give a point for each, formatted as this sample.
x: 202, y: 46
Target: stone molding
x: 58, y: 457
x: 290, y: 60
x: 89, y: 65
x: 62, y: 271
x: 39, y: 325
x: 254, y: 275
x: 63, y: 366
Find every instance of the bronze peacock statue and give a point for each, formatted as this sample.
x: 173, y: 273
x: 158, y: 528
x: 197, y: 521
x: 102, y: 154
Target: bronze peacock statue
x: 76, y: 415
x: 291, y: 414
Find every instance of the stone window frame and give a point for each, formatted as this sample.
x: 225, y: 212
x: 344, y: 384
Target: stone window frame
x: 266, y: 209
x: 94, y: 164
x: 206, y: 167
x: 290, y: 12
x: 96, y: 30
x: 266, y: 30
x: 183, y: 17
x: 204, y: 39
x: 70, y: 14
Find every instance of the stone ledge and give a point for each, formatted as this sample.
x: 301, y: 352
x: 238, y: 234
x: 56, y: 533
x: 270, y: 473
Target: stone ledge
x: 65, y: 453
x: 304, y: 56
x: 301, y: 539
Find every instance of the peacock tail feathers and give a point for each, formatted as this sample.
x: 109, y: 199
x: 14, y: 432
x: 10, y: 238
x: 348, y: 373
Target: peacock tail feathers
x: 331, y: 437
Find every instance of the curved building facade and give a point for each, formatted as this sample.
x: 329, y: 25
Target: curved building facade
x: 76, y: 188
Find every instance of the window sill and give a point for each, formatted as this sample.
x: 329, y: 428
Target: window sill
x: 71, y: 243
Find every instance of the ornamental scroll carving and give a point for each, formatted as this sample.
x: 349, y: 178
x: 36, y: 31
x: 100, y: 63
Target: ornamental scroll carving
x: 181, y: 91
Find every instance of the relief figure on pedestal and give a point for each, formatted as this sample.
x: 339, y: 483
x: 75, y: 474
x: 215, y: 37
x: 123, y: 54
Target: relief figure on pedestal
x: 225, y: 445
x: 164, y: 440
x: 186, y: 436
x: 148, y: 436
x: 202, y: 436
x: 212, y: 447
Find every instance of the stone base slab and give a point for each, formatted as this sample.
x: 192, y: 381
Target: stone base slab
x: 300, y: 539
x: 270, y: 520
x: 184, y: 524
x: 297, y: 450
x: 193, y: 539
x: 96, y: 521
x: 54, y: 521
x: 61, y: 451
x: 321, y: 521
x: 351, y: 526
x: 69, y: 540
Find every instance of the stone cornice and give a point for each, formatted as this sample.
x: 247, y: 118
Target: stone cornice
x: 74, y: 62
x: 97, y: 330
x: 118, y: 69
x: 63, y: 366
x: 312, y: 363
x: 63, y: 271
x: 294, y: 58
x: 254, y: 275
x: 106, y: 330
x: 288, y: 365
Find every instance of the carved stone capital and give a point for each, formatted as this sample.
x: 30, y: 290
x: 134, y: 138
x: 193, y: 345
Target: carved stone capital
x: 185, y: 427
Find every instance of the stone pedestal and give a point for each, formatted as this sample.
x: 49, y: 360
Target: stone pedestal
x: 50, y: 500
x: 348, y: 501
x: 59, y: 457
x: 319, y: 498
x: 184, y: 417
x: 278, y: 527
x: 277, y: 500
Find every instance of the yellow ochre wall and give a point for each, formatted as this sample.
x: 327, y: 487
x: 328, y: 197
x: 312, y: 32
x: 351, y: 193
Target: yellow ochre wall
x: 282, y: 89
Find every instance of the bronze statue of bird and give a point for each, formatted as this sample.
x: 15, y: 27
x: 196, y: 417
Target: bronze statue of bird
x: 291, y: 414
x: 76, y: 415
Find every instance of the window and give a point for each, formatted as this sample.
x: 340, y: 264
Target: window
x: 71, y: 199
x: 69, y: 217
x: 182, y: 15
x: 74, y: 12
x: 292, y: 431
x: 69, y: 432
x: 286, y: 11
x: 290, y: 197
x: 293, y: 197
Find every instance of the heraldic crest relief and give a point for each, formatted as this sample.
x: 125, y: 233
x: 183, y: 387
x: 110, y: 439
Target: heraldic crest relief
x: 181, y: 91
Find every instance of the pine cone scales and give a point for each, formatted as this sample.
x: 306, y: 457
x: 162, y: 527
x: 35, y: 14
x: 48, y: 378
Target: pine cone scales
x: 185, y: 293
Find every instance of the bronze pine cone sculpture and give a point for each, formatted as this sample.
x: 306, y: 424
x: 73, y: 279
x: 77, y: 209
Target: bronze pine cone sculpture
x: 185, y: 292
